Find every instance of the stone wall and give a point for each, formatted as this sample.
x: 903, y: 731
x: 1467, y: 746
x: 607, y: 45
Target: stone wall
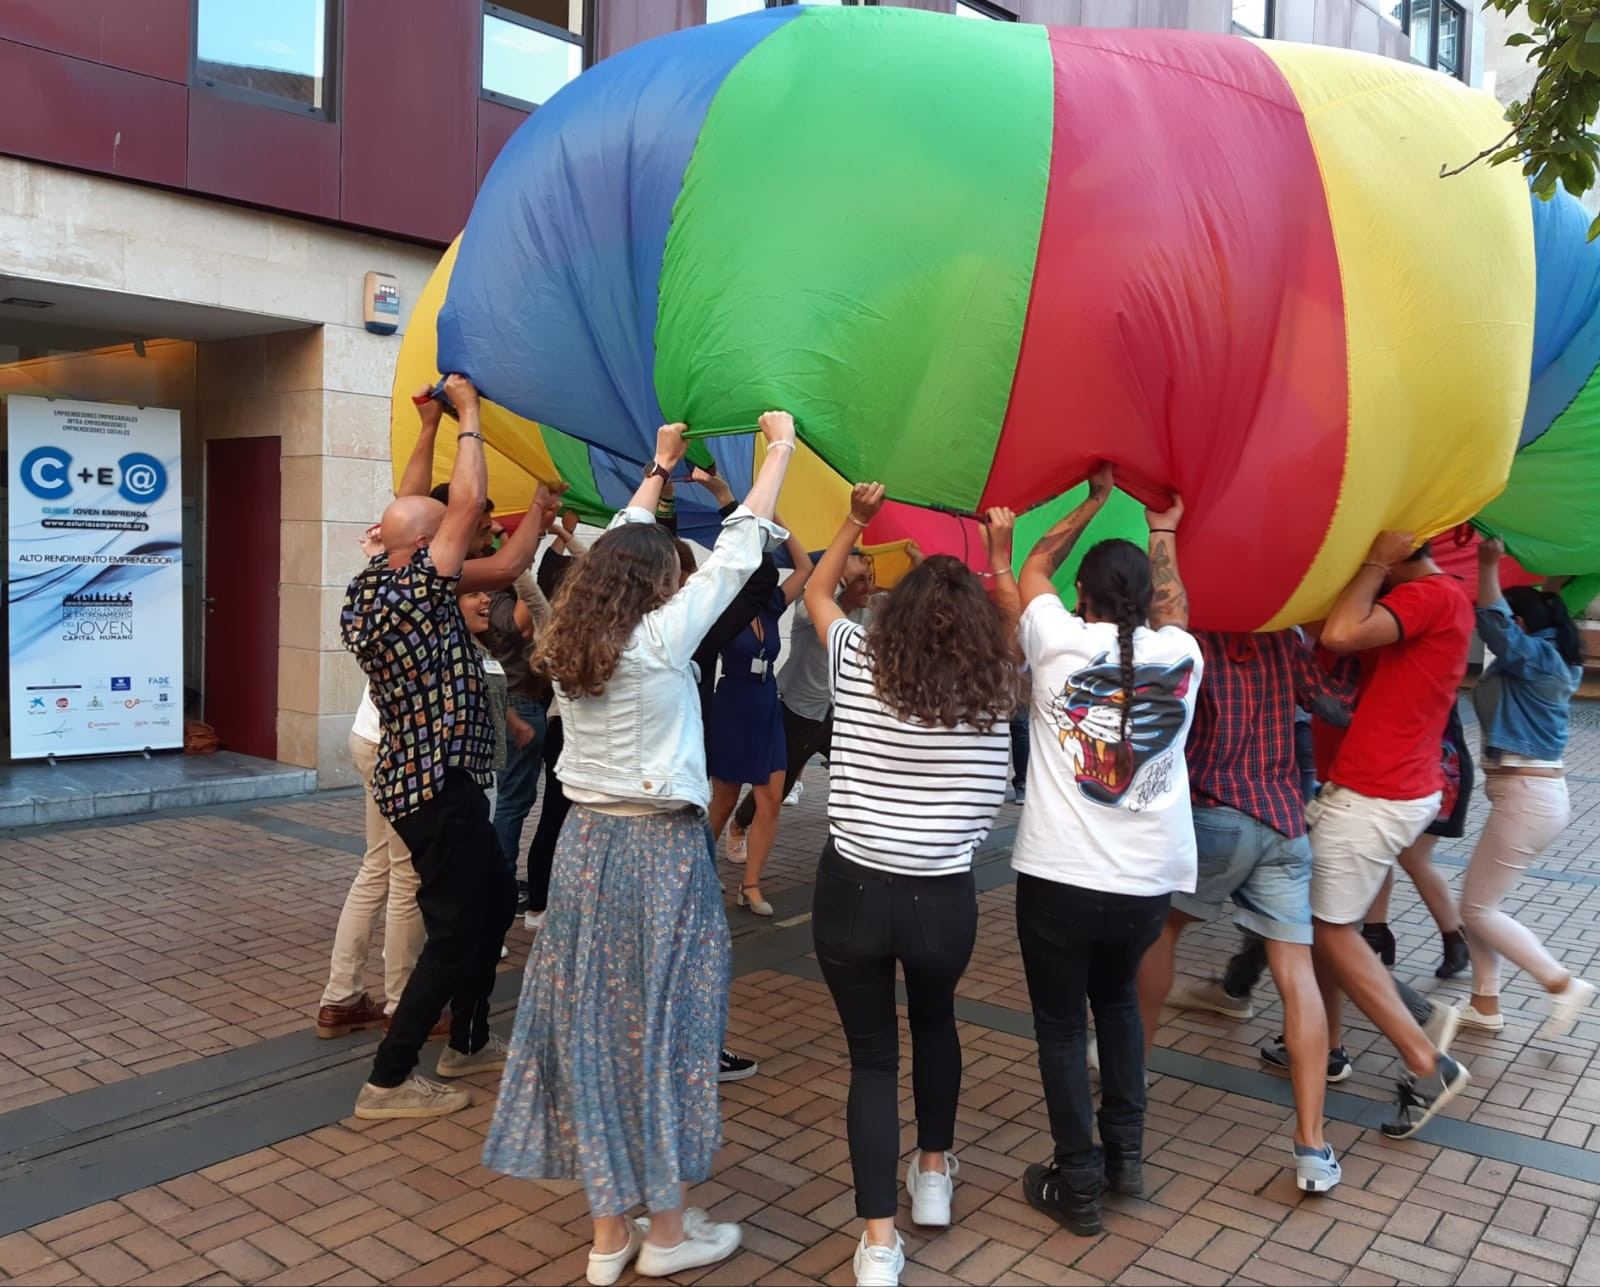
x: 321, y: 384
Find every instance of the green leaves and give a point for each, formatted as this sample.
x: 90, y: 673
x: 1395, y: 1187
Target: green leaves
x: 1550, y: 128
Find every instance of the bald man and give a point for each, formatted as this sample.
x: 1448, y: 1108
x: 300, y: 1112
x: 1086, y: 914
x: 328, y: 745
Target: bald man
x: 402, y: 622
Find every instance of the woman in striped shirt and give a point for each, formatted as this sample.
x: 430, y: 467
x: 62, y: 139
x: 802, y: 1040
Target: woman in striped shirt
x: 922, y: 703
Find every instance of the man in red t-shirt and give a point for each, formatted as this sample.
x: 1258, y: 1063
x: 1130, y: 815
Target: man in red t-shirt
x: 1410, y: 626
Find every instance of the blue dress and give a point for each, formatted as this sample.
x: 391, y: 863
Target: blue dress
x: 747, y: 743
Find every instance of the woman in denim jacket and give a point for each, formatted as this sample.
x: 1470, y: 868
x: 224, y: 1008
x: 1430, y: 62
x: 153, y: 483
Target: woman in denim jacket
x: 612, y: 1073
x: 1522, y: 702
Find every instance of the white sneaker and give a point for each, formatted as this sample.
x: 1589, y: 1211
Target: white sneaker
x: 794, y: 795
x: 533, y: 920
x: 1565, y: 1006
x: 1441, y: 1026
x: 704, y: 1243
x: 605, y: 1270
x: 879, y: 1266
x: 504, y: 951
x: 930, y: 1192
x: 1469, y: 1017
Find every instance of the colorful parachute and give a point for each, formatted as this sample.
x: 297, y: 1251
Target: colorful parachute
x: 976, y: 258
x: 1546, y: 513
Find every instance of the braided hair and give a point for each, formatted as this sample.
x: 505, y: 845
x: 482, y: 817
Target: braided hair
x: 1114, y: 585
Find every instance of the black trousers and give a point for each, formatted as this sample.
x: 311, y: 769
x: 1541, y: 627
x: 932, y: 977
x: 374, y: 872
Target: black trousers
x: 467, y: 896
x: 862, y: 922
x: 1082, y: 944
x: 802, y: 738
x: 542, y: 850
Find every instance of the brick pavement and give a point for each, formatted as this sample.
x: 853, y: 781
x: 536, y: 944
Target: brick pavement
x: 145, y: 944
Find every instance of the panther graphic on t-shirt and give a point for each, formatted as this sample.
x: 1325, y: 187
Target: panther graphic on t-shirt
x: 1087, y: 715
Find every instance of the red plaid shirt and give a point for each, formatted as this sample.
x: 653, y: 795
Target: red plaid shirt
x: 1241, y: 748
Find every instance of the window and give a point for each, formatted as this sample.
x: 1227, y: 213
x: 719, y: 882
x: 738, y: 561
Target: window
x: 1437, y: 29
x: 526, y: 59
x: 1420, y: 24
x: 1252, y: 17
x: 272, y: 51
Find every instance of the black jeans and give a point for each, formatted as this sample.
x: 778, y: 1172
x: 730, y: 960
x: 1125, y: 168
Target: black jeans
x: 862, y: 922
x: 802, y: 739
x: 1081, y: 943
x: 542, y: 850
x: 467, y: 897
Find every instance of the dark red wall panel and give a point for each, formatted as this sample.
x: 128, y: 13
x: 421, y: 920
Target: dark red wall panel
x: 72, y: 112
x: 149, y: 36
x: 410, y: 115
x: 263, y: 155
x: 496, y: 124
x: 622, y: 23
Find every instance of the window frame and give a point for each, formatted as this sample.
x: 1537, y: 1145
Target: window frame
x: 332, y: 49
x: 988, y: 9
x: 1438, y: 8
x: 1269, y: 17
x: 488, y: 9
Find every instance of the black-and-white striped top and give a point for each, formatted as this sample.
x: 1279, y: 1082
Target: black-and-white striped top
x: 908, y: 798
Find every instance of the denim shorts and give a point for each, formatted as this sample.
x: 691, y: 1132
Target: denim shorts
x: 1266, y: 874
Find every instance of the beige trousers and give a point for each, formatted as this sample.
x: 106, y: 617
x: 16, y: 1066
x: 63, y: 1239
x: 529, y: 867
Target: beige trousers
x: 1528, y: 815
x: 386, y: 877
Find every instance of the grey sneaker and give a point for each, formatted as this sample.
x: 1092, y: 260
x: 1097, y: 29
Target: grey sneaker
x: 1316, y: 1172
x: 1420, y: 1098
x: 414, y: 1097
x: 492, y: 1058
x: 1210, y: 996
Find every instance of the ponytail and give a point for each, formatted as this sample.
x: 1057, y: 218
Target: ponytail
x: 1542, y: 610
x: 1127, y: 623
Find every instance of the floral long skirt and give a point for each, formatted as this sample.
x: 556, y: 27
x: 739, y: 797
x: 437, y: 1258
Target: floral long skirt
x: 612, y: 1077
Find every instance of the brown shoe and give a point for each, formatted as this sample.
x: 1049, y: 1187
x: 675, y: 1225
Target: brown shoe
x: 340, y: 1020
x: 441, y: 1030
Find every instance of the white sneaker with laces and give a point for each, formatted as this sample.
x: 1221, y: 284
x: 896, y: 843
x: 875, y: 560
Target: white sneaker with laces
x: 704, y: 1243
x: 605, y: 1270
x: 533, y: 920
x: 794, y: 795
x: 1565, y: 1006
x: 931, y: 1191
x: 879, y: 1266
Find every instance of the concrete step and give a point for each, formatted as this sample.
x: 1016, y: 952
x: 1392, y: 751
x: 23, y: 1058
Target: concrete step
x: 41, y: 794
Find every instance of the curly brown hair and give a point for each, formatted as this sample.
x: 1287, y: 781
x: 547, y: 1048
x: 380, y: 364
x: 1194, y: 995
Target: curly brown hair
x: 628, y: 572
x: 940, y: 650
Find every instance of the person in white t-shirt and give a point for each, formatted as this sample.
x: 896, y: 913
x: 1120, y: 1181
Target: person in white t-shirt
x: 1106, y: 836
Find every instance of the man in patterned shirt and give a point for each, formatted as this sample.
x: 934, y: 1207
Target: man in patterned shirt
x: 1250, y: 833
x: 402, y: 621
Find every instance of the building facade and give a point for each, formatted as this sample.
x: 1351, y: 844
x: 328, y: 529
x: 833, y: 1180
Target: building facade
x: 192, y: 196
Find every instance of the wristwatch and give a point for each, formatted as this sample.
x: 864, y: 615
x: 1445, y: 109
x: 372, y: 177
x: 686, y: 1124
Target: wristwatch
x: 653, y: 469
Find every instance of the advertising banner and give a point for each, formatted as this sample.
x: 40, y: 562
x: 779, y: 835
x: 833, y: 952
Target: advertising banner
x: 94, y: 582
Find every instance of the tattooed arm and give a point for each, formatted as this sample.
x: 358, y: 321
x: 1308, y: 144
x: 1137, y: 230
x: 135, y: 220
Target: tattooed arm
x: 1054, y: 546
x: 1169, y: 602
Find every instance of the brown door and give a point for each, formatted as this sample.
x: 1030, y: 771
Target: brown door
x: 241, y: 593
